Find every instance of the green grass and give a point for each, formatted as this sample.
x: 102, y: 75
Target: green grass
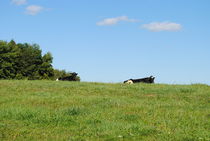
x: 49, y: 110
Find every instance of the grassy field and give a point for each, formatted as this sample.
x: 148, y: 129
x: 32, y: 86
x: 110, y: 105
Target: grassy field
x: 48, y: 110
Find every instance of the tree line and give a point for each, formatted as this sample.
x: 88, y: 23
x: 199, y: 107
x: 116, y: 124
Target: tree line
x: 25, y: 61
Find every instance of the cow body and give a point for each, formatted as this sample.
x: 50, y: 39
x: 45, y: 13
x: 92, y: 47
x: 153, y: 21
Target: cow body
x: 142, y: 80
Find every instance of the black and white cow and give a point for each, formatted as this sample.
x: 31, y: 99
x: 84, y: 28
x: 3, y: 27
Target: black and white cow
x: 142, y: 80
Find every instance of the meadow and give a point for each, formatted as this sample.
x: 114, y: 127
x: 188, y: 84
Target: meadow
x: 77, y: 111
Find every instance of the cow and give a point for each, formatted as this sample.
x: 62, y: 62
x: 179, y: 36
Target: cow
x: 142, y: 80
x: 128, y: 81
x: 72, y: 77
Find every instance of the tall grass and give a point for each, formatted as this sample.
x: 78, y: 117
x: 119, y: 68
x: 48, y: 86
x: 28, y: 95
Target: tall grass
x: 48, y: 110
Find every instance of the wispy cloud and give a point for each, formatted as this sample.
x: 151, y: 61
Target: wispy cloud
x: 19, y: 2
x: 113, y: 21
x: 34, y: 9
x: 162, y: 26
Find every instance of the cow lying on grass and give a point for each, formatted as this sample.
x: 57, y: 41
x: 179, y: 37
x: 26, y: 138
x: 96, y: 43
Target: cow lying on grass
x: 142, y: 80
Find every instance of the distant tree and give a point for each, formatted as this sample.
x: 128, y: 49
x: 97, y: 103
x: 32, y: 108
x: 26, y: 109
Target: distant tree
x: 46, y: 70
x: 29, y: 61
x: 25, y: 61
x: 8, y: 57
x: 59, y: 73
x: 63, y: 73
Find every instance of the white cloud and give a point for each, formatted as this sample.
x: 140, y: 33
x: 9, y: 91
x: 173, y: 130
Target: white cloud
x: 162, y: 26
x: 33, y: 9
x: 19, y: 2
x: 113, y: 21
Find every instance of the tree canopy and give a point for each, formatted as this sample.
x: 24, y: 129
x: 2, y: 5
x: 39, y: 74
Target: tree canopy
x: 25, y: 61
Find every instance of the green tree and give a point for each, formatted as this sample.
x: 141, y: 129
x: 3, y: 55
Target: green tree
x: 8, y: 56
x: 46, y: 69
x: 29, y: 61
x: 63, y: 73
x: 25, y: 61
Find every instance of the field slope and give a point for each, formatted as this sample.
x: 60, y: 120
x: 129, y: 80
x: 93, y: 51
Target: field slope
x: 48, y: 110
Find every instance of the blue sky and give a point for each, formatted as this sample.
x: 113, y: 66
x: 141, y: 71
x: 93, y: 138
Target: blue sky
x: 114, y: 40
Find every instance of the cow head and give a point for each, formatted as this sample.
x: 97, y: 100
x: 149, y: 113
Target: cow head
x: 128, y: 81
x: 152, y: 78
x: 74, y: 74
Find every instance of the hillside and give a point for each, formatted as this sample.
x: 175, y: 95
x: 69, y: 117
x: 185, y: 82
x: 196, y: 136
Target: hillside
x: 49, y: 110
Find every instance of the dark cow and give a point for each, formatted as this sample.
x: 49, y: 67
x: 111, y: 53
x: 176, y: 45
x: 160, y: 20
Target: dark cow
x: 72, y: 77
x: 142, y: 80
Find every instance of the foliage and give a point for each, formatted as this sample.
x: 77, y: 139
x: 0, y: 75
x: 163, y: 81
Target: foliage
x: 25, y: 61
x: 48, y: 110
x: 63, y: 73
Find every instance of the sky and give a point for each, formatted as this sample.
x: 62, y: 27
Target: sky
x: 115, y: 40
